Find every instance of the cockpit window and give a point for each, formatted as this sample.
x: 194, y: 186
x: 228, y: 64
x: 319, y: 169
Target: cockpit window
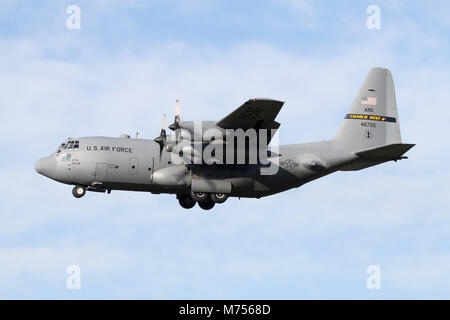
x: 61, y: 146
x: 68, y: 145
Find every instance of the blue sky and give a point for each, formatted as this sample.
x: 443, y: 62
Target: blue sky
x: 127, y: 65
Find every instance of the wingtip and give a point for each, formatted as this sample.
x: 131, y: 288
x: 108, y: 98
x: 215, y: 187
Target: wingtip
x: 266, y: 99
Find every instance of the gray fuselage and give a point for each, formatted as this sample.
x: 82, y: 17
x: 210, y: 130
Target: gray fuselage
x: 108, y: 163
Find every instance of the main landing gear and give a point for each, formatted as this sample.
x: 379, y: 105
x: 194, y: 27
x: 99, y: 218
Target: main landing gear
x: 206, y: 205
x: 205, y: 200
x: 186, y: 201
x: 78, y: 191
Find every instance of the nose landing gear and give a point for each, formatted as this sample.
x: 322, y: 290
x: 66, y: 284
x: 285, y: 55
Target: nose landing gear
x: 78, y: 191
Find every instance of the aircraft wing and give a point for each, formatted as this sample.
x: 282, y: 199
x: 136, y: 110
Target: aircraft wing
x: 254, y: 114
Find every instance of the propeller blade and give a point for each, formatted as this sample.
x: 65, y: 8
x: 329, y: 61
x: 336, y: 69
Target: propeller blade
x: 177, y: 122
x: 163, y: 125
x: 177, y: 108
x: 161, y: 139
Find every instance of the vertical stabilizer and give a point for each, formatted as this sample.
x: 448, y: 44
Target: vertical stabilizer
x: 372, y: 120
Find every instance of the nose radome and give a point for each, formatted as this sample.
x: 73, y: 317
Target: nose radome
x: 38, y: 166
x: 46, y: 166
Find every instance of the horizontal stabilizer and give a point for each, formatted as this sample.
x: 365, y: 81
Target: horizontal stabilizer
x: 374, y: 156
x: 389, y: 152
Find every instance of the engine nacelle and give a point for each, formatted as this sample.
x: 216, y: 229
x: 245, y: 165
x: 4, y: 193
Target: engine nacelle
x: 170, y: 176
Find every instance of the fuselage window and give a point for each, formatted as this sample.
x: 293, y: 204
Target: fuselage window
x: 76, y: 145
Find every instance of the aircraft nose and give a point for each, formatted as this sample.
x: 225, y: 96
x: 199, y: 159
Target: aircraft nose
x: 46, y: 166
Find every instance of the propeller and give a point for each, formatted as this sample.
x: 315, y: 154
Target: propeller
x: 161, y: 139
x: 177, y: 122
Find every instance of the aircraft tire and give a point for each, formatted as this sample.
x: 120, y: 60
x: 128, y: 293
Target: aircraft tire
x: 199, y: 196
x: 78, y: 191
x: 219, y: 197
x: 186, y: 202
x: 206, y: 205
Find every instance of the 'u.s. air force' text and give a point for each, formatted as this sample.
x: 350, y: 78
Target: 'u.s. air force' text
x: 110, y: 148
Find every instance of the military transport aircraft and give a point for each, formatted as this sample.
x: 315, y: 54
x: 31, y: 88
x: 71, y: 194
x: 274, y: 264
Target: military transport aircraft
x: 206, y: 162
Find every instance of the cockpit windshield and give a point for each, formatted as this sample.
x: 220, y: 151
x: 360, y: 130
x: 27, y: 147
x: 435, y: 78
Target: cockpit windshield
x: 68, y: 145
